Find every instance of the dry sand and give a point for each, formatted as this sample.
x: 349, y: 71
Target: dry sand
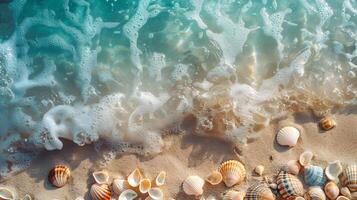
x: 192, y: 155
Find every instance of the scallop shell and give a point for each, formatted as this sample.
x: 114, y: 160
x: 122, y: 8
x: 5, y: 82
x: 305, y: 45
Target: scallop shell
x: 288, y: 136
x: 128, y: 195
x: 233, y: 172
x: 101, y: 177
x: 193, y: 185
x: 134, y: 178
x: 293, y: 167
x: 315, y: 193
x: 305, y: 158
x: 6, y: 193
x: 145, y: 185
x: 26, y: 197
x: 259, y: 170
x: 342, y: 198
x: 331, y: 190
x: 119, y: 185
x: 156, y: 193
x: 333, y: 171
x: 160, y: 179
x: 327, y: 123
x: 59, y: 175
x: 349, y: 177
x: 314, y: 176
x: 100, y: 192
x: 259, y: 191
x: 214, y: 178
x: 289, y: 186
x: 233, y: 195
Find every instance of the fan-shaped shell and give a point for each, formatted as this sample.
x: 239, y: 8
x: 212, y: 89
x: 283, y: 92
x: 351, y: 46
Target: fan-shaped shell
x: 100, y: 192
x: 233, y: 172
x: 314, y: 176
x: 289, y: 186
x: 134, y: 178
x: 233, y: 195
x: 293, y: 167
x: 6, y: 193
x: 101, y: 177
x: 346, y: 192
x: 333, y: 170
x: 59, y: 175
x: 193, y: 185
x: 259, y: 191
x: 349, y: 177
x: 119, y: 185
x: 305, y: 158
x: 315, y: 193
x: 288, y: 136
x: 331, y: 190
x: 214, y: 178
x: 342, y: 198
x: 327, y: 123
x: 156, y: 193
x: 145, y: 185
x: 128, y: 195
x: 26, y: 197
x: 160, y: 179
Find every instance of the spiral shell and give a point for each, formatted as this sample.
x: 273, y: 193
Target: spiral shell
x: 119, y: 185
x: 214, y: 178
x: 160, y: 179
x: 289, y: 186
x: 233, y: 195
x: 259, y: 191
x: 314, y: 176
x: 100, y: 192
x: 233, y: 172
x: 305, y: 158
x: 327, y: 123
x: 288, y: 136
x: 333, y: 171
x: 128, y: 195
x: 134, y: 178
x: 59, y: 175
x: 349, y: 177
x: 331, y: 190
x: 156, y: 193
x: 315, y: 193
x: 6, y: 193
x: 193, y: 185
x: 144, y: 186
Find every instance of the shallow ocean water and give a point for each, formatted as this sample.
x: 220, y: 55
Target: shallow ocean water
x: 128, y: 72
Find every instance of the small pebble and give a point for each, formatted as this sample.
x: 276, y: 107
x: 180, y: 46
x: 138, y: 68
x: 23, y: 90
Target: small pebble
x: 259, y: 170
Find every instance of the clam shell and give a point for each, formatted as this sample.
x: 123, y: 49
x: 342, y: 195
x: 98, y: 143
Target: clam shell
x: 342, y: 198
x: 233, y: 195
x: 193, y: 185
x: 6, y: 193
x: 292, y: 167
x: 333, y: 170
x: 259, y: 191
x: 259, y: 170
x: 134, y: 178
x: 128, y: 195
x: 144, y: 186
x: 349, y: 177
x: 156, y: 193
x: 288, y: 136
x: 346, y: 192
x: 314, y: 176
x: 26, y: 197
x: 315, y: 193
x: 331, y: 190
x: 101, y: 177
x: 100, y: 192
x: 119, y: 185
x: 59, y: 175
x: 233, y: 172
x: 354, y: 195
x: 305, y: 158
x: 160, y: 179
x: 299, y: 198
x: 327, y: 123
x: 289, y: 186
x: 214, y: 178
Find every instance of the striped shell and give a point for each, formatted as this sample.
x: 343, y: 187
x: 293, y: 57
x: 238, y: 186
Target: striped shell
x: 346, y: 192
x: 160, y: 179
x: 333, y: 171
x: 144, y: 186
x: 327, y: 123
x: 100, y: 192
x: 128, y: 195
x: 214, y: 178
x: 193, y: 185
x: 6, y: 193
x: 331, y: 190
x: 289, y: 186
x: 233, y: 195
x: 59, y: 175
x: 259, y: 191
x: 314, y: 176
x: 156, y: 193
x: 288, y: 136
x: 233, y: 172
x: 349, y: 177
x: 315, y: 193
x: 119, y: 185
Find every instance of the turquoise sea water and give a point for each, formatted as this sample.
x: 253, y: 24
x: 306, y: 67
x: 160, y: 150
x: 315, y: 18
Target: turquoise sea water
x: 124, y: 71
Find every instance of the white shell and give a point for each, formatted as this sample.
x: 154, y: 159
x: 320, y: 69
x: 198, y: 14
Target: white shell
x: 259, y: 170
x: 342, y: 198
x: 233, y: 195
x: 288, y: 136
x: 299, y: 198
x: 156, y: 193
x: 134, y: 178
x: 346, y: 192
x: 144, y: 186
x: 193, y: 185
x: 79, y: 198
x: 305, y: 158
x: 292, y: 167
x: 160, y: 179
x: 26, y: 197
x: 119, y: 185
x: 333, y: 170
x: 315, y: 193
x: 128, y: 195
x: 101, y: 177
x: 6, y: 193
x: 331, y: 190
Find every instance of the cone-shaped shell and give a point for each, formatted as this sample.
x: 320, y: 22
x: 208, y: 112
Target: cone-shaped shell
x: 101, y: 177
x: 59, y: 175
x: 160, y: 179
x: 145, y: 185
x: 6, y: 193
x: 156, y: 193
x: 305, y: 158
x: 233, y: 195
x: 331, y: 190
x: 119, y: 185
x: 289, y: 186
x: 134, y: 178
x: 259, y: 191
x: 288, y: 136
x: 315, y: 193
x: 292, y: 167
x: 349, y: 177
x: 193, y: 185
x: 128, y: 195
x: 314, y: 176
x: 214, y: 178
x: 233, y: 172
x: 100, y: 192
x: 333, y: 170
x: 327, y: 123
x: 26, y: 197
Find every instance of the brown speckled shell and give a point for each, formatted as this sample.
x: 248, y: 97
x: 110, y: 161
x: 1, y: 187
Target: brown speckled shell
x: 327, y: 123
x: 59, y: 175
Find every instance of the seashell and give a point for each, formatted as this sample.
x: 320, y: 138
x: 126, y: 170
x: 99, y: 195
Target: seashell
x: 134, y: 178
x: 100, y: 192
x: 315, y: 193
x: 314, y: 176
x: 293, y: 167
x: 160, y: 179
x: 59, y: 175
x: 6, y: 193
x: 128, y: 195
x: 259, y: 191
x: 331, y: 190
x: 233, y: 172
x: 288, y: 136
x: 259, y: 170
x: 233, y: 195
x: 305, y: 158
x: 349, y: 177
x: 342, y: 198
x: 299, y: 198
x: 101, y: 177
x: 354, y: 195
x: 289, y: 186
x: 26, y: 197
x: 333, y: 171
x: 346, y: 192
x: 79, y: 198
x: 144, y: 186
x: 119, y: 185
x: 273, y: 186
x: 193, y: 185
x: 156, y: 193
x: 214, y: 178
x: 327, y: 123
